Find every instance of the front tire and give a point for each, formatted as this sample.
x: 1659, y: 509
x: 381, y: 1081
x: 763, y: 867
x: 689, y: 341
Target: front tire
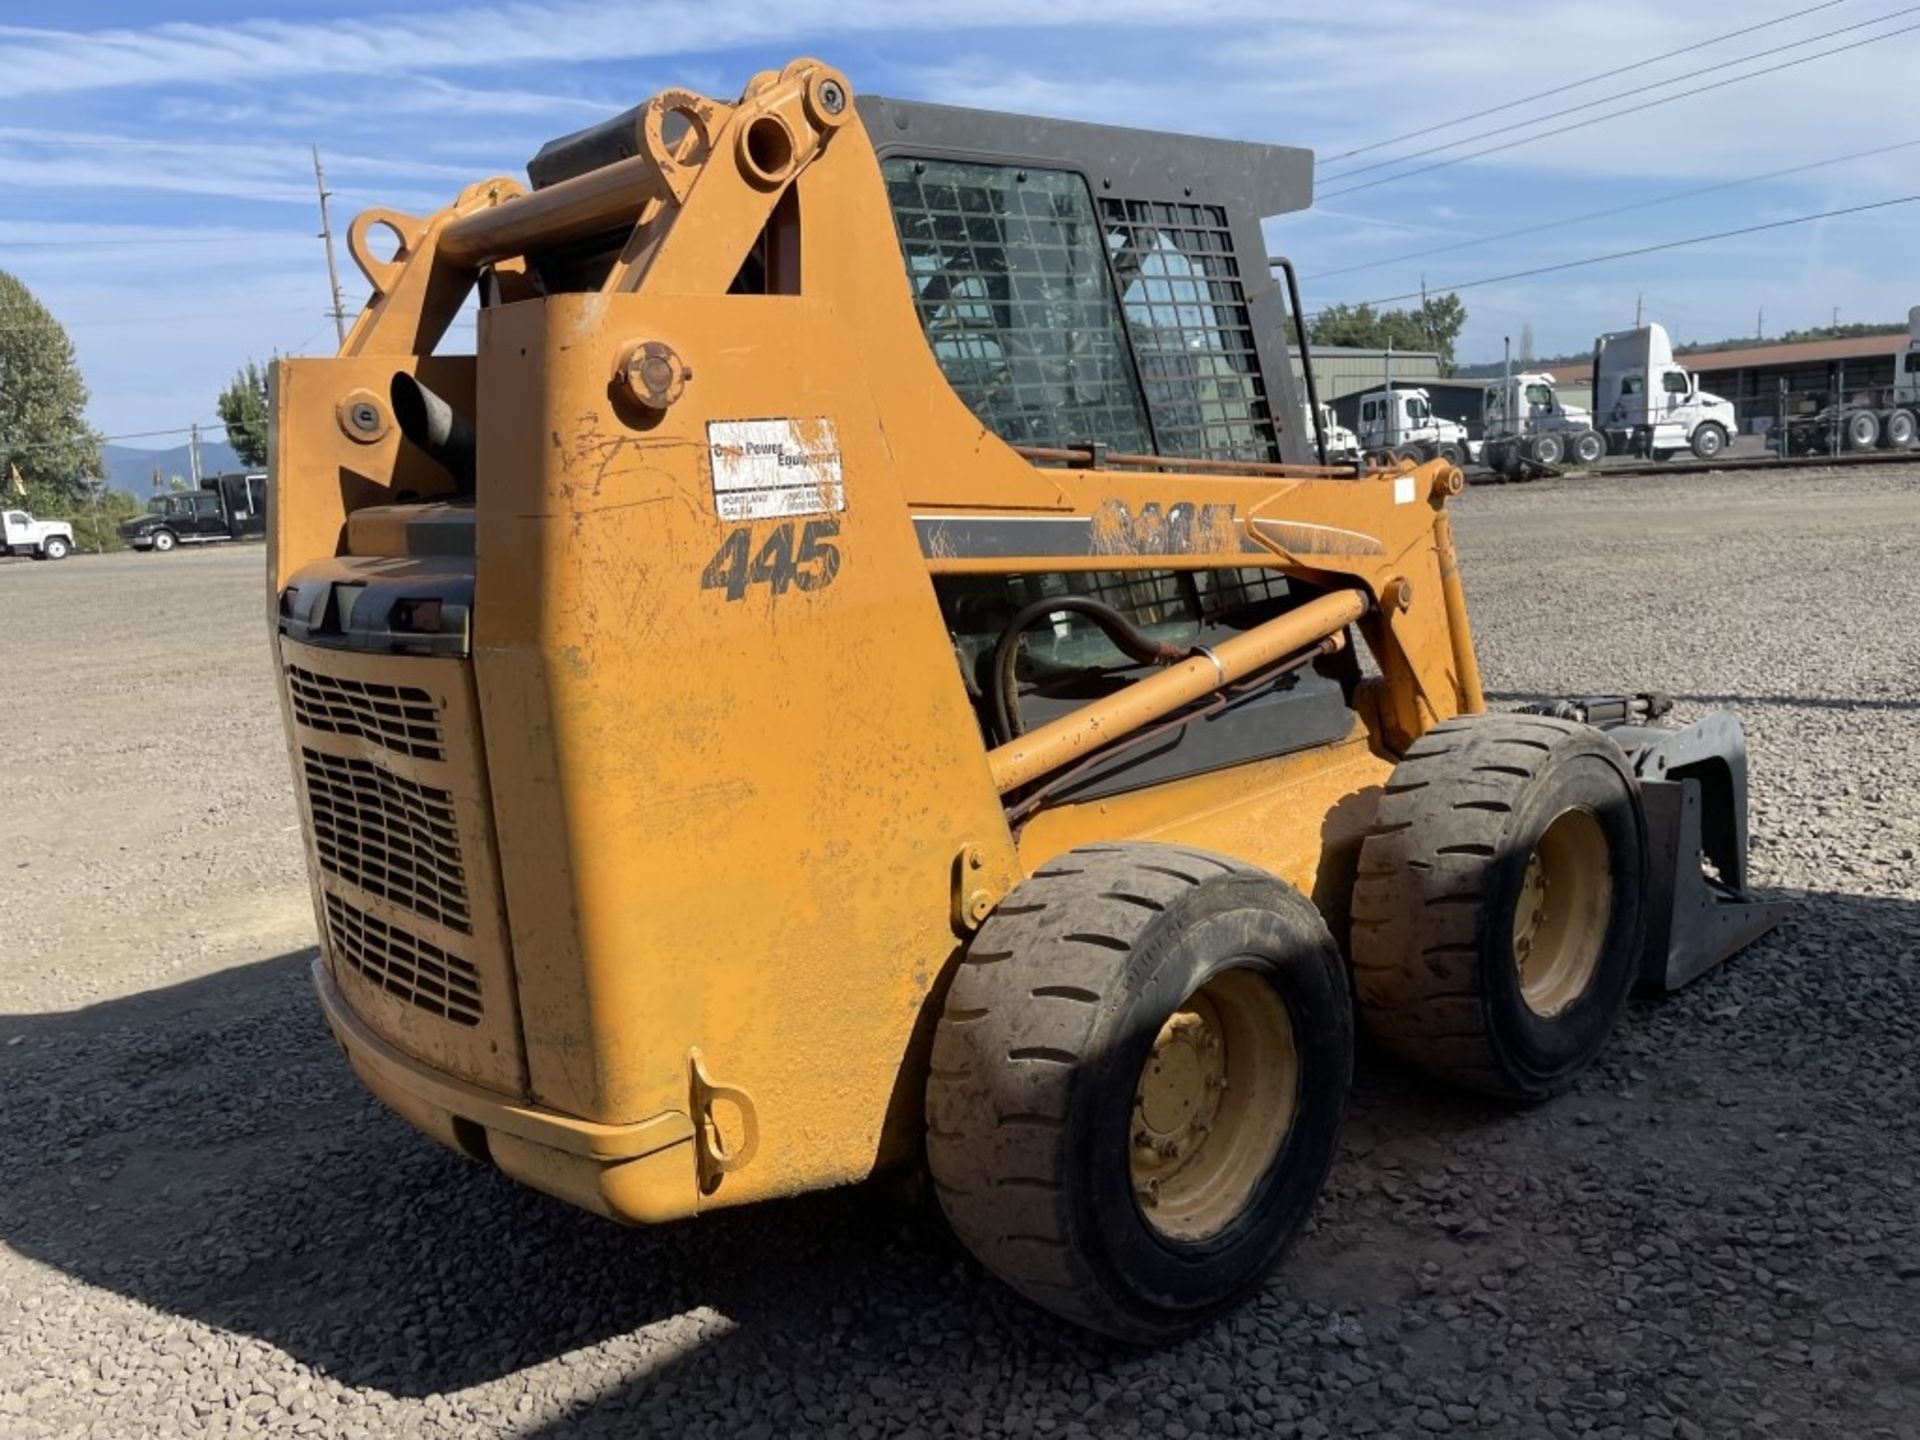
x: 163, y: 541
x: 1708, y: 441
x: 1137, y: 1084
x: 55, y: 548
x: 1500, y: 909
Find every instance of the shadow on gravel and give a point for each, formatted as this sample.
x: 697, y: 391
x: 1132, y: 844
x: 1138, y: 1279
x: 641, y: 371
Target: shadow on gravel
x: 205, y: 1151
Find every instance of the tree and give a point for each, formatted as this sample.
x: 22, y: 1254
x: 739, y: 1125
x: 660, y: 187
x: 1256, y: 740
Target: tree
x: 43, y: 402
x: 1434, y: 325
x: 243, y: 408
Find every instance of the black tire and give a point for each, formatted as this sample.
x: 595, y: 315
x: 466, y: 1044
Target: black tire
x: 163, y: 541
x: 1900, y: 431
x: 1056, y: 1008
x: 1589, y: 447
x: 54, y: 548
x: 1545, y: 450
x: 1454, y: 453
x: 1708, y: 441
x: 1862, y: 430
x: 1441, y: 877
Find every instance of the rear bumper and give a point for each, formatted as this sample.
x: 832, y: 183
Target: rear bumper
x: 641, y: 1173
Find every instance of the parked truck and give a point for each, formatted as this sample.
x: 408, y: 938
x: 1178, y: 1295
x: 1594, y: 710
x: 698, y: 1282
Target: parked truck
x: 21, y: 534
x: 1866, y: 417
x: 1651, y: 406
x: 1525, y: 420
x: 225, y: 507
x: 1342, y: 444
x: 1401, y: 422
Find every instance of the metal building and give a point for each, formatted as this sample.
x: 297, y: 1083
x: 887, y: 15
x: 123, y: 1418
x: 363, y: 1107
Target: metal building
x: 1351, y: 370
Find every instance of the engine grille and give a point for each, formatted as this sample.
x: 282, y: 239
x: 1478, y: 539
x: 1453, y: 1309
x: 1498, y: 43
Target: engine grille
x: 397, y: 812
x: 404, y: 965
x: 391, y: 836
x: 399, y: 717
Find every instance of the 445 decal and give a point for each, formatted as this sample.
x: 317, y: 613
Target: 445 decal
x: 779, y: 560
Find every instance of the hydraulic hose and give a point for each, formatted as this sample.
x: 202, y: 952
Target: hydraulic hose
x: 1004, y: 704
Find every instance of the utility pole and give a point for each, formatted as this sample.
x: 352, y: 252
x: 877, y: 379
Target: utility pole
x: 339, y: 311
x: 1760, y: 324
x: 193, y: 452
x: 1639, y: 304
x: 1836, y: 317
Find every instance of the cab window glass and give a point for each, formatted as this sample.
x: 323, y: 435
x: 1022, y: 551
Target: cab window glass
x: 1676, y: 382
x: 1009, y: 273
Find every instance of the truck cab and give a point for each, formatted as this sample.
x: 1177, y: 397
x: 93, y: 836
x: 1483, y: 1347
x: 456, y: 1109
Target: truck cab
x: 1342, y: 444
x: 1650, y: 405
x: 21, y: 534
x: 1400, y: 422
x: 1526, y: 420
x: 225, y: 507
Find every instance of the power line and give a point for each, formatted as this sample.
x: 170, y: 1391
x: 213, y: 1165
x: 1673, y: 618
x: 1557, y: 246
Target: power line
x: 1637, y: 250
x: 1667, y: 199
x: 1621, y: 95
x: 1616, y: 114
x: 1577, y: 84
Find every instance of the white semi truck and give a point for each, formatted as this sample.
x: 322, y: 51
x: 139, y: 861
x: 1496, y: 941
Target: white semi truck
x: 1649, y: 405
x: 1343, y: 445
x: 1526, y: 420
x: 1401, y: 422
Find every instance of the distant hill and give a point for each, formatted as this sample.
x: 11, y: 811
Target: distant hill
x: 132, y: 470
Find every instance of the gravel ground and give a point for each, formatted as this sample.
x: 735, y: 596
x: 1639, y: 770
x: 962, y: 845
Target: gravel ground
x: 209, y: 1228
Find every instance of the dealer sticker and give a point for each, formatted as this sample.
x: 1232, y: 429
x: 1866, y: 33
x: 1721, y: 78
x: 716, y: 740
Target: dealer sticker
x: 775, y: 469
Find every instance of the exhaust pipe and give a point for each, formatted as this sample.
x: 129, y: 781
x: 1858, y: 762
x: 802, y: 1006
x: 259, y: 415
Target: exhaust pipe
x: 435, y: 426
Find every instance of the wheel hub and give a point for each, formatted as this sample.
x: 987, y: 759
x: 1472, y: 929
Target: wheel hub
x: 1561, y: 916
x: 1213, y: 1104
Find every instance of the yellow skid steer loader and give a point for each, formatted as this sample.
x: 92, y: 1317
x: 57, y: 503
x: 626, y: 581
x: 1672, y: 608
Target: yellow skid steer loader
x: 861, y: 662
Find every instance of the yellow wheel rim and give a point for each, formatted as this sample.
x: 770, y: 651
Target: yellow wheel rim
x: 1214, y: 1104
x: 1560, y: 922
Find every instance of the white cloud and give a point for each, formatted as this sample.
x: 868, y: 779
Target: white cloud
x: 41, y: 62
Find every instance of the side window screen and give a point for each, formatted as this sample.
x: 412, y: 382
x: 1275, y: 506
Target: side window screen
x: 1186, y: 310
x: 1013, y: 291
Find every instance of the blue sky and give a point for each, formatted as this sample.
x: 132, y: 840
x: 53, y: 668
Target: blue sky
x: 158, y: 192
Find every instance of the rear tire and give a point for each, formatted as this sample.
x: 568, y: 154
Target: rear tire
x: 1500, y: 910
x: 1862, y: 430
x: 1545, y: 450
x: 1589, y: 447
x: 1901, y: 429
x: 1077, y: 1139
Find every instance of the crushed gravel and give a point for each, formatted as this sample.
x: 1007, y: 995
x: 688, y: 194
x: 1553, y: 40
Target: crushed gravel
x: 207, y: 1228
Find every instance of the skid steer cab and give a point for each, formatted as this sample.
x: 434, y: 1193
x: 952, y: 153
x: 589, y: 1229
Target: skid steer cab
x: 862, y: 664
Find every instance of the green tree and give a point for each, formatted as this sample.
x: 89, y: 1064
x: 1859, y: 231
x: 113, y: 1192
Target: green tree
x: 243, y: 408
x: 1434, y: 325
x: 43, y: 401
